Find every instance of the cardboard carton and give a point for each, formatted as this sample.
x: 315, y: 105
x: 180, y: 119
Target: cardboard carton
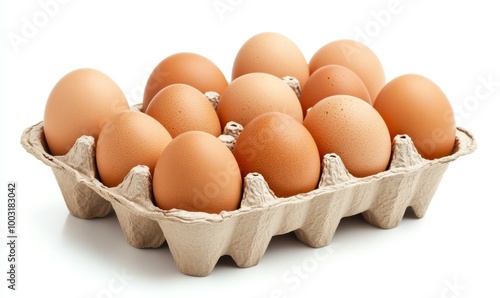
x: 197, y: 240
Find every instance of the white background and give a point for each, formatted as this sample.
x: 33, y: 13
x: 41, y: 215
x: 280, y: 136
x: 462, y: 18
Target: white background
x: 452, y: 252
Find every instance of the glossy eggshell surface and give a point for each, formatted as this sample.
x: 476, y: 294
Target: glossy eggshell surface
x: 271, y: 53
x: 197, y: 172
x: 130, y: 139
x: 186, y: 68
x: 180, y: 108
x: 414, y: 105
x: 354, y: 130
x: 357, y: 57
x: 282, y: 150
x: 332, y: 80
x: 254, y: 94
x: 80, y: 104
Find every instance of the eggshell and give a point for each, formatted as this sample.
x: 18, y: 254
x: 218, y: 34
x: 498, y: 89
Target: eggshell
x: 254, y: 94
x: 354, y: 130
x: 281, y: 149
x: 271, y: 53
x: 80, y: 104
x: 332, y: 80
x: 186, y: 68
x: 414, y: 105
x: 197, y: 172
x: 180, y: 108
x: 129, y: 139
x: 357, y: 57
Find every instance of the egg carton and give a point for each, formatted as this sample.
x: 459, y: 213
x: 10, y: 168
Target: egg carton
x: 197, y: 240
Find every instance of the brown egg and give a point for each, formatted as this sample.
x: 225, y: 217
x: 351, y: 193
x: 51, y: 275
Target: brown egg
x: 129, y: 139
x: 271, y: 53
x: 355, y: 56
x: 254, y: 94
x: 80, y: 104
x: 197, y: 172
x: 281, y: 149
x: 332, y: 80
x: 353, y: 129
x: 414, y: 105
x: 180, y: 108
x: 186, y: 68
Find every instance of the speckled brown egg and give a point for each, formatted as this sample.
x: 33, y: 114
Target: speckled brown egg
x: 186, y: 68
x: 80, y: 104
x: 281, y: 149
x: 197, y: 172
x: 414, y: 105
x: 180, y: 108
x: 129, y: 139
x: 254, y: 94
x: 354, y: 130
x: 332, y: 80
x: 271, y: 53
x: 357, y: 57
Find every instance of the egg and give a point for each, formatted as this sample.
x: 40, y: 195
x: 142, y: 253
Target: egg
x: 80, y: 104
x: 414, y: 105
x: 186, y: 68
x: 357, y: 57
x: 271, y: 53
x: 197, y: 172
x: 129, y: 139
x: 180, y: 108
x: 282, y: 150
x: 254, y: 94
x: 354, y: 130
x: 332, y: 80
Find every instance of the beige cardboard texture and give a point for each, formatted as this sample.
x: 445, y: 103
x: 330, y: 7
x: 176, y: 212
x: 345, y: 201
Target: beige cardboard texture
x: 197, y: 240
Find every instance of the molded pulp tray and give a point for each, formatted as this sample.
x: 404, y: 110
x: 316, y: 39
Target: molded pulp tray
x: 197, y: 239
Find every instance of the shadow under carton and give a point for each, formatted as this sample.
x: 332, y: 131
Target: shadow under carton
x: 197, y: 240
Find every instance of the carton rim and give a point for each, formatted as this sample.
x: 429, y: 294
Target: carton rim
x: 465, y: 143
